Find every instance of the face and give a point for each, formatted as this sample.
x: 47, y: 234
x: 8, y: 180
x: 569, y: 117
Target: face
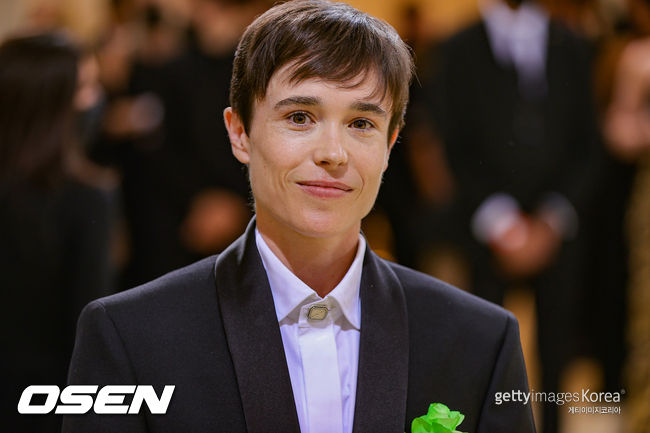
x: 315, y: 152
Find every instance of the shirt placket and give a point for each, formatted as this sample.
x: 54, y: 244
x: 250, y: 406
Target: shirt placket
x: 319, y: 355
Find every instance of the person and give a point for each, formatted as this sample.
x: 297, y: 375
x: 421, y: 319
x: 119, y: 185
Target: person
x: 514, y: 110
x: 184, y: 195
x: 55, y: 220
x: 298, y: 326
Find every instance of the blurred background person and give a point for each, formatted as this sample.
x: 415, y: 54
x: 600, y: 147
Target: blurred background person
x: 513, y: 106
x: 54, y: 220
x: 185, y: 196
x: 420, y: 193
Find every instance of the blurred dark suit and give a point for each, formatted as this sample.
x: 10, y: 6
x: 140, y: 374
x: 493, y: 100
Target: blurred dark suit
x: 524, y: 142
x: 165, y: 169
x: 54, y: 258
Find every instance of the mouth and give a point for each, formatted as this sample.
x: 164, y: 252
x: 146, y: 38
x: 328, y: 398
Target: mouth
x: 324, y: 189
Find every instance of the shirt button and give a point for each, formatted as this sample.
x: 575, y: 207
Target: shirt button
x: 317, y: 312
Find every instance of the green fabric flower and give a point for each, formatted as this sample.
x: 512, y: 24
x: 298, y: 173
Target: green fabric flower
x: 439, y: 419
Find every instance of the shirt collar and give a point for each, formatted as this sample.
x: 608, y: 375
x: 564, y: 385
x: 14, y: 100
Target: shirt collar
x: 290, y: 293
x: 528, y: 25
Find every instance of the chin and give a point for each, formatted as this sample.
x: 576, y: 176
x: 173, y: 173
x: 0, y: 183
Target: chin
x: 319, y: 225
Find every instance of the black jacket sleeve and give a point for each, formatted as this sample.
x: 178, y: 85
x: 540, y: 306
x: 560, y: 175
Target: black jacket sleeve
x: 100, y: 358
x: 508, y: 376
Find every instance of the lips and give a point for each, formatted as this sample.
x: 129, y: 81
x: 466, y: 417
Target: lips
x: 324, y: 189
x: 326, y: 184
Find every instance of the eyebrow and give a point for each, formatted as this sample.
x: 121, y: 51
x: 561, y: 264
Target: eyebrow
x: 366, y: 107
x: 298, y: 100
x: 369, y: 107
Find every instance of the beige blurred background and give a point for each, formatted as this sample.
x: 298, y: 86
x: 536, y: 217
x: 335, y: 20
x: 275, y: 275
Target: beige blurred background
x: 88, y: 20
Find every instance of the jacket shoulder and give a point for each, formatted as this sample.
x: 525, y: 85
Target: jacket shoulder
x: 427, y: 295
x: 188, y: 286
x: 167, y: 319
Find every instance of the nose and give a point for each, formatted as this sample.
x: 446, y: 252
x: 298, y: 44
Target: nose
x: 330, y: 150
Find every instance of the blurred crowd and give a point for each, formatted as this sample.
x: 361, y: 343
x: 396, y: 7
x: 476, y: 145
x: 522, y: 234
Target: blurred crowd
x: 525, y: 164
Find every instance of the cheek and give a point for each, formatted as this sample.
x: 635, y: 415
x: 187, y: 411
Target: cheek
x: 267, y: 168
x: 372, y: 168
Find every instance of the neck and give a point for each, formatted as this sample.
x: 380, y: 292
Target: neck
x: 321, y: 263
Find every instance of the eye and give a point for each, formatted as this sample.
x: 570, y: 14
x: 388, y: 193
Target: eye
x: 299, y: 118
x: 362, y: 124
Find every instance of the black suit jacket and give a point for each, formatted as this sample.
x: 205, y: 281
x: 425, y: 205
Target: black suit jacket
x: 211, y: 330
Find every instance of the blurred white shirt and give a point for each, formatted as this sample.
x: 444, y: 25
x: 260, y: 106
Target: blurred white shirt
x: 519, y: 37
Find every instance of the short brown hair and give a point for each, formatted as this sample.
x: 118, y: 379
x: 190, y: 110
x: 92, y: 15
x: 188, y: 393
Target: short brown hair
x: 323, y: 39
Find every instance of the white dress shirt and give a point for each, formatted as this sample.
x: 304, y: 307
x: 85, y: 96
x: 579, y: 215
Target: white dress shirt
x: 292, y: 299
x: 519, y: 37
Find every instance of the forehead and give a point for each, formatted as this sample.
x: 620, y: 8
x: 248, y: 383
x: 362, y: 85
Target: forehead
x: 366, y: 86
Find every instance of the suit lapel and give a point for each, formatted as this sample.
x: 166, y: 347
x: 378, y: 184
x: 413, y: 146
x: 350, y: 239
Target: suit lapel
x: 255, y: 344
x: 254, y: 339
x: 383, y: 351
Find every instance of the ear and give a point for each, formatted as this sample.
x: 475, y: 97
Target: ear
x: 238, y: 138
x: 391, y: 143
